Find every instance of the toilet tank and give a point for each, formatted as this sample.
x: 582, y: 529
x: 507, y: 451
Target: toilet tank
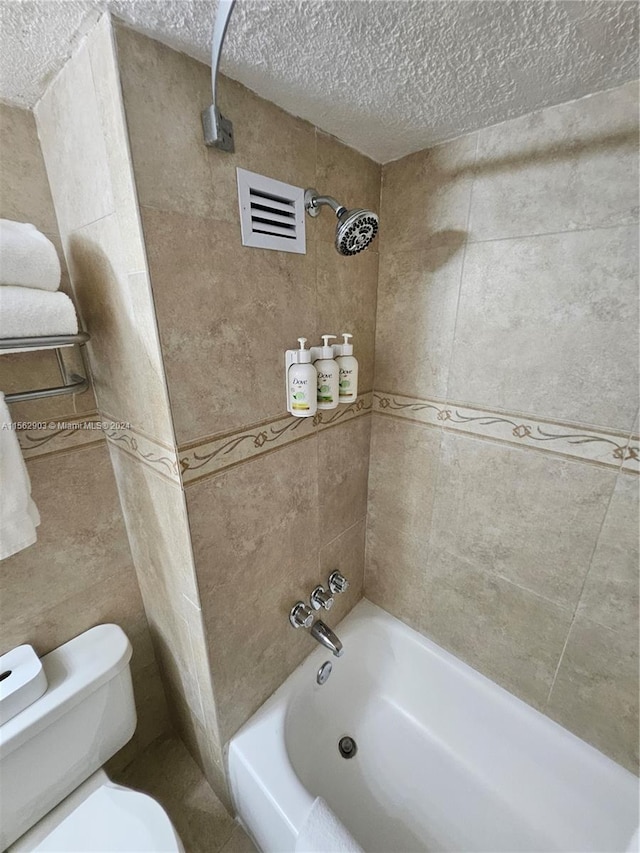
x: 86, y: 715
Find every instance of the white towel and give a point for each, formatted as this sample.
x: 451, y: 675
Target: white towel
x: 322, y: 832
x: 19, y: 516
x: 29, y: 313
x: 27, y: 257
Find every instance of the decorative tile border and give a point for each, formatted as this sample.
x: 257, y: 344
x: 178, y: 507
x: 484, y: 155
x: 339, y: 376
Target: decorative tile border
x: 207, y: 457
x: 42, y: 438
x: 614, y: 449
x: 159, y: 457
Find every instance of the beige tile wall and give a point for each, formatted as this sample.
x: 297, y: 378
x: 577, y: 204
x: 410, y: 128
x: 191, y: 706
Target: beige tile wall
x: 266, y: 531
x: 82, y: 127
x: 508, y: 293
x: 79, y: 573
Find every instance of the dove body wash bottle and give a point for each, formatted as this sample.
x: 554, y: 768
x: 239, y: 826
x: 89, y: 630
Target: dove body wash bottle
x: 302, y: 383
x: 327, y: 369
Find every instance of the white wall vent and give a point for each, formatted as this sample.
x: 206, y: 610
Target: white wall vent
x: 271, y: 213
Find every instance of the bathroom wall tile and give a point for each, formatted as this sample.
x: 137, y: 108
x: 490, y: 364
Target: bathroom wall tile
x: 548, y: 325
x: 267, y: 140
x: 610, y: 594
x: 567, y: 167
x: 506, y: 632
x: 351, y: 178
x: 345, y: 555
x: 417, y: 302
x: 255, y: 538
x: 402, y: 476
x: 225, y: 318
x: 117, y: 310
x: 257, y: 523
x: 343, y: 470
x: 595, y: 694
x: 346, y: 295
x: 81, y: 537
x: 108, y: 94
x: 74, y: 147
x: 164, y: 94
x: 202, y: 743
x: 24, y: 187
x: 530, y: 518
x: 115, y: 599
x: 156, y: 520
x: 425, y: 197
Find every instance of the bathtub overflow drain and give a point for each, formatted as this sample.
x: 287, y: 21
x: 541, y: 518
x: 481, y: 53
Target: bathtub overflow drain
x: 347, y: 747
x: 324, y: 672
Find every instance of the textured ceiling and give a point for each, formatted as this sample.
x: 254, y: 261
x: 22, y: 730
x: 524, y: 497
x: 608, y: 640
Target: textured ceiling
x: 386, y: 76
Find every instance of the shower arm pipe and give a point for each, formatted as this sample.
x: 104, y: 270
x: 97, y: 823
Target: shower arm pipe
x: 314, y: 201
x: 218, y: 131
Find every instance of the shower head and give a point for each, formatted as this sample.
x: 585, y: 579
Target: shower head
x: 355, y: 230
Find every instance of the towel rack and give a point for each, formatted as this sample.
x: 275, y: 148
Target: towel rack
x: 73, y: 383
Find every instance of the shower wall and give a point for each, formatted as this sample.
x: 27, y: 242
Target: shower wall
x: 275, y: 503
x: 80, y: 572
x: 503, y: 492
x: 84, y: 139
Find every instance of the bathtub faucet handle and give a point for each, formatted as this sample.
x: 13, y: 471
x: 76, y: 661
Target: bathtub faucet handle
x: 321, y: 598
x: 301, y: 615
x: 338, y: 583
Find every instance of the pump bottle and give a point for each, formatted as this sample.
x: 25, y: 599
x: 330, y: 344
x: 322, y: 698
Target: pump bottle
x: 302, y: 381
x: 348, y: 372
x: 327, y: 369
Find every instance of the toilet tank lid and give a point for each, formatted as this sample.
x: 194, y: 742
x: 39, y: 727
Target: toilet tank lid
x: 74, y: 670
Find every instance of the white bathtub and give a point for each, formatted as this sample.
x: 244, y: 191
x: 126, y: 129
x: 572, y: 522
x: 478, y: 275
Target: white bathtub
x: 446, y: 760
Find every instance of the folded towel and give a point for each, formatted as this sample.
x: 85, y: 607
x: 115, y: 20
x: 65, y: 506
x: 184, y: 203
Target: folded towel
x: 322, y: 832
x: 27, y: 257
x: 19, y: 516
x: 28, y: 313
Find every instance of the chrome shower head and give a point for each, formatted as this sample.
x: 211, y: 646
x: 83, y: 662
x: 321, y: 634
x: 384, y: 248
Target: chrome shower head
x: 355, y: 230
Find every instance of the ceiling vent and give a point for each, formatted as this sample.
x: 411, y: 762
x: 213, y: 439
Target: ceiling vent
x: 271, y: 213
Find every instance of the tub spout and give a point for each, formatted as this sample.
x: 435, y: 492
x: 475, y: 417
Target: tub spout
x: 325, y: 636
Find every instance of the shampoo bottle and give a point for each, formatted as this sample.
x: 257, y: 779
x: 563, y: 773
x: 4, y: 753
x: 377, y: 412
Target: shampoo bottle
x: 327, y: 369
x: 348, y: 372
x: 302, y: 382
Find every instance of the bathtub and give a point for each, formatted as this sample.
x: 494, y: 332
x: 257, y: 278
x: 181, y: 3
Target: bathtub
x: 446, y: 759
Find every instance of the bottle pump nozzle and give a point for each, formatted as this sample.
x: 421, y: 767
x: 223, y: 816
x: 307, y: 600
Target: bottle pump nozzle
x: 347, y: 347
x: 327, y: 350
x: 304, y: 355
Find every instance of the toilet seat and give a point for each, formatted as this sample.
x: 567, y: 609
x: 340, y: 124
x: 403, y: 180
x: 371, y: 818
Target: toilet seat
x: 111, y: 819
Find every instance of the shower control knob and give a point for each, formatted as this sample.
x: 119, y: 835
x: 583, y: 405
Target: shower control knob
x: 321, y: 598
x: 338, y: 583
x: 301, y: 615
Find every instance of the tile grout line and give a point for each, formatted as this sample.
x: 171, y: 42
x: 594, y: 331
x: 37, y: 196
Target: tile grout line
x: 579, y: 598
x: 439, y: 467
x: 462, y: 268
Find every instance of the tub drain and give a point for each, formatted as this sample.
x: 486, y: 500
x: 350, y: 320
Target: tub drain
x: 347, y: 747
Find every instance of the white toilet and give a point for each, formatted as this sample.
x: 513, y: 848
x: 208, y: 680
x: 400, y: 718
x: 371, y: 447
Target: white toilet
x: 54, y: 796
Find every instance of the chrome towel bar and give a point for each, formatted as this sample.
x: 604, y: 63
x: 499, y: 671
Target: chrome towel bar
x: 73, y: 383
